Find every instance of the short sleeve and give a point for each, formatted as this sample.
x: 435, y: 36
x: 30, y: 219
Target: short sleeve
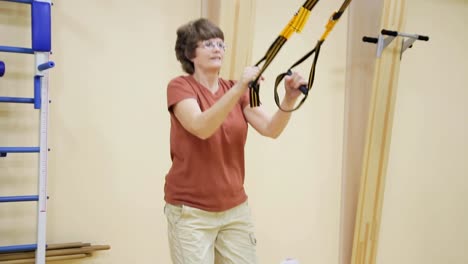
x: 179, y: 89
x: 245, y: 99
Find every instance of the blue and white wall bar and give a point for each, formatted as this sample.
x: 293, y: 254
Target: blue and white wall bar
x: 40, y: 49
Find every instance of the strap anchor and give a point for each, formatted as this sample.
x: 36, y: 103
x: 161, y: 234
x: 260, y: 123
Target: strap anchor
x: 387, y: 36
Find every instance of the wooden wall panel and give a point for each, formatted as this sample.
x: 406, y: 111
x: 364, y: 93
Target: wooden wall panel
x: 363, y: 20
x: 378, y: 138
x: 236, y: 19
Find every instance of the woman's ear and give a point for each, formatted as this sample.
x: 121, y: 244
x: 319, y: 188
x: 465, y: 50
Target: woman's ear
x: 188, y: 57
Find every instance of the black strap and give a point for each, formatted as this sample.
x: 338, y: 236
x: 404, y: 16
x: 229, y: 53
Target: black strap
x: 305, y: 90
x: 267, y: 59
x: 295, y: 24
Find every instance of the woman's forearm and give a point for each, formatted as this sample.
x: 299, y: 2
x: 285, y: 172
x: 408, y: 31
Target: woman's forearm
x: 206, y: 123
x: 280, y: 119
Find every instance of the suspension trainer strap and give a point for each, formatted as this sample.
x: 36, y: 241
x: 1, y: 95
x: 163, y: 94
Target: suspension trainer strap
x: 334, y: 19
x: 296, y: 24
x: 305, y: 90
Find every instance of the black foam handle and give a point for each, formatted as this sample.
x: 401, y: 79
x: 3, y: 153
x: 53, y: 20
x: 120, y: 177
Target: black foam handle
x: 389, y: 32
x: 302, y: 88
x: 370, y: 40
x: 425, y: 38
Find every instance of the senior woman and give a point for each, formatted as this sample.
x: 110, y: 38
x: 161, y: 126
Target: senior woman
x: 208, y: 217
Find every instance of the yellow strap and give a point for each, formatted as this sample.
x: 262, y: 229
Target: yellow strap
x: 297, y: 23
x: 328, y: 28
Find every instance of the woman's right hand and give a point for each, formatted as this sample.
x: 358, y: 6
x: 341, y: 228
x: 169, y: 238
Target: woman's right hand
x: 250, y: 74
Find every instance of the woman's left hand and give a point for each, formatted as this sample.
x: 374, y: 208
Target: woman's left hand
x: 292, y: 84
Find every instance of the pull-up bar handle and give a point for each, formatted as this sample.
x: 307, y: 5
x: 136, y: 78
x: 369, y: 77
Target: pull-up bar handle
x: 396, y: 33
x: 389, y: 32
x: 370, y: 40
x: 424, y: 38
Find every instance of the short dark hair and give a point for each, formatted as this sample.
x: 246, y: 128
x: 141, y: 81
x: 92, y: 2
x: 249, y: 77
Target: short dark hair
x: 188, y: 37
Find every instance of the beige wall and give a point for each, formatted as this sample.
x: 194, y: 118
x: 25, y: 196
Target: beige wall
x: 294, y: 182
x: 425, y: 211
x: 109, y: 132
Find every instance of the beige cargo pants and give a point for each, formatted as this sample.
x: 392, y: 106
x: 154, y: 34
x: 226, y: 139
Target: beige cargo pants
x: 200, y: 237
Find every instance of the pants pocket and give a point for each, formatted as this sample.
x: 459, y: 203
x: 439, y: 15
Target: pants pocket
x: 174, y: 213
x: 253, y: 240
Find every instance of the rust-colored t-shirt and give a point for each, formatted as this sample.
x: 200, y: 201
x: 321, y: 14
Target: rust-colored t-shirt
x: 206, y: 174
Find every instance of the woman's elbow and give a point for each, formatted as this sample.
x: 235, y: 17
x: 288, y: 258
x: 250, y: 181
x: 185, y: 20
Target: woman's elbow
x: 201, y: 132
x: 203, y: 136
x: 274, y: 135
x: 271, y: 134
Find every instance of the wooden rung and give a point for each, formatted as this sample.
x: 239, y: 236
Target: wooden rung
x: 28, y: 254
x: 67, y: 245
x: 77, y: 250
x: 53, y: 258
x: 56, y: 252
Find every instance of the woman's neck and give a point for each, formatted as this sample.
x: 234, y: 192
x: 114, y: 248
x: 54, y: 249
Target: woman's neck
x: 207, y: 79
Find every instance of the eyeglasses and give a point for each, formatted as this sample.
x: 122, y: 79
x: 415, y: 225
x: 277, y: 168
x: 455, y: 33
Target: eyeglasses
x: 211, y: 44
